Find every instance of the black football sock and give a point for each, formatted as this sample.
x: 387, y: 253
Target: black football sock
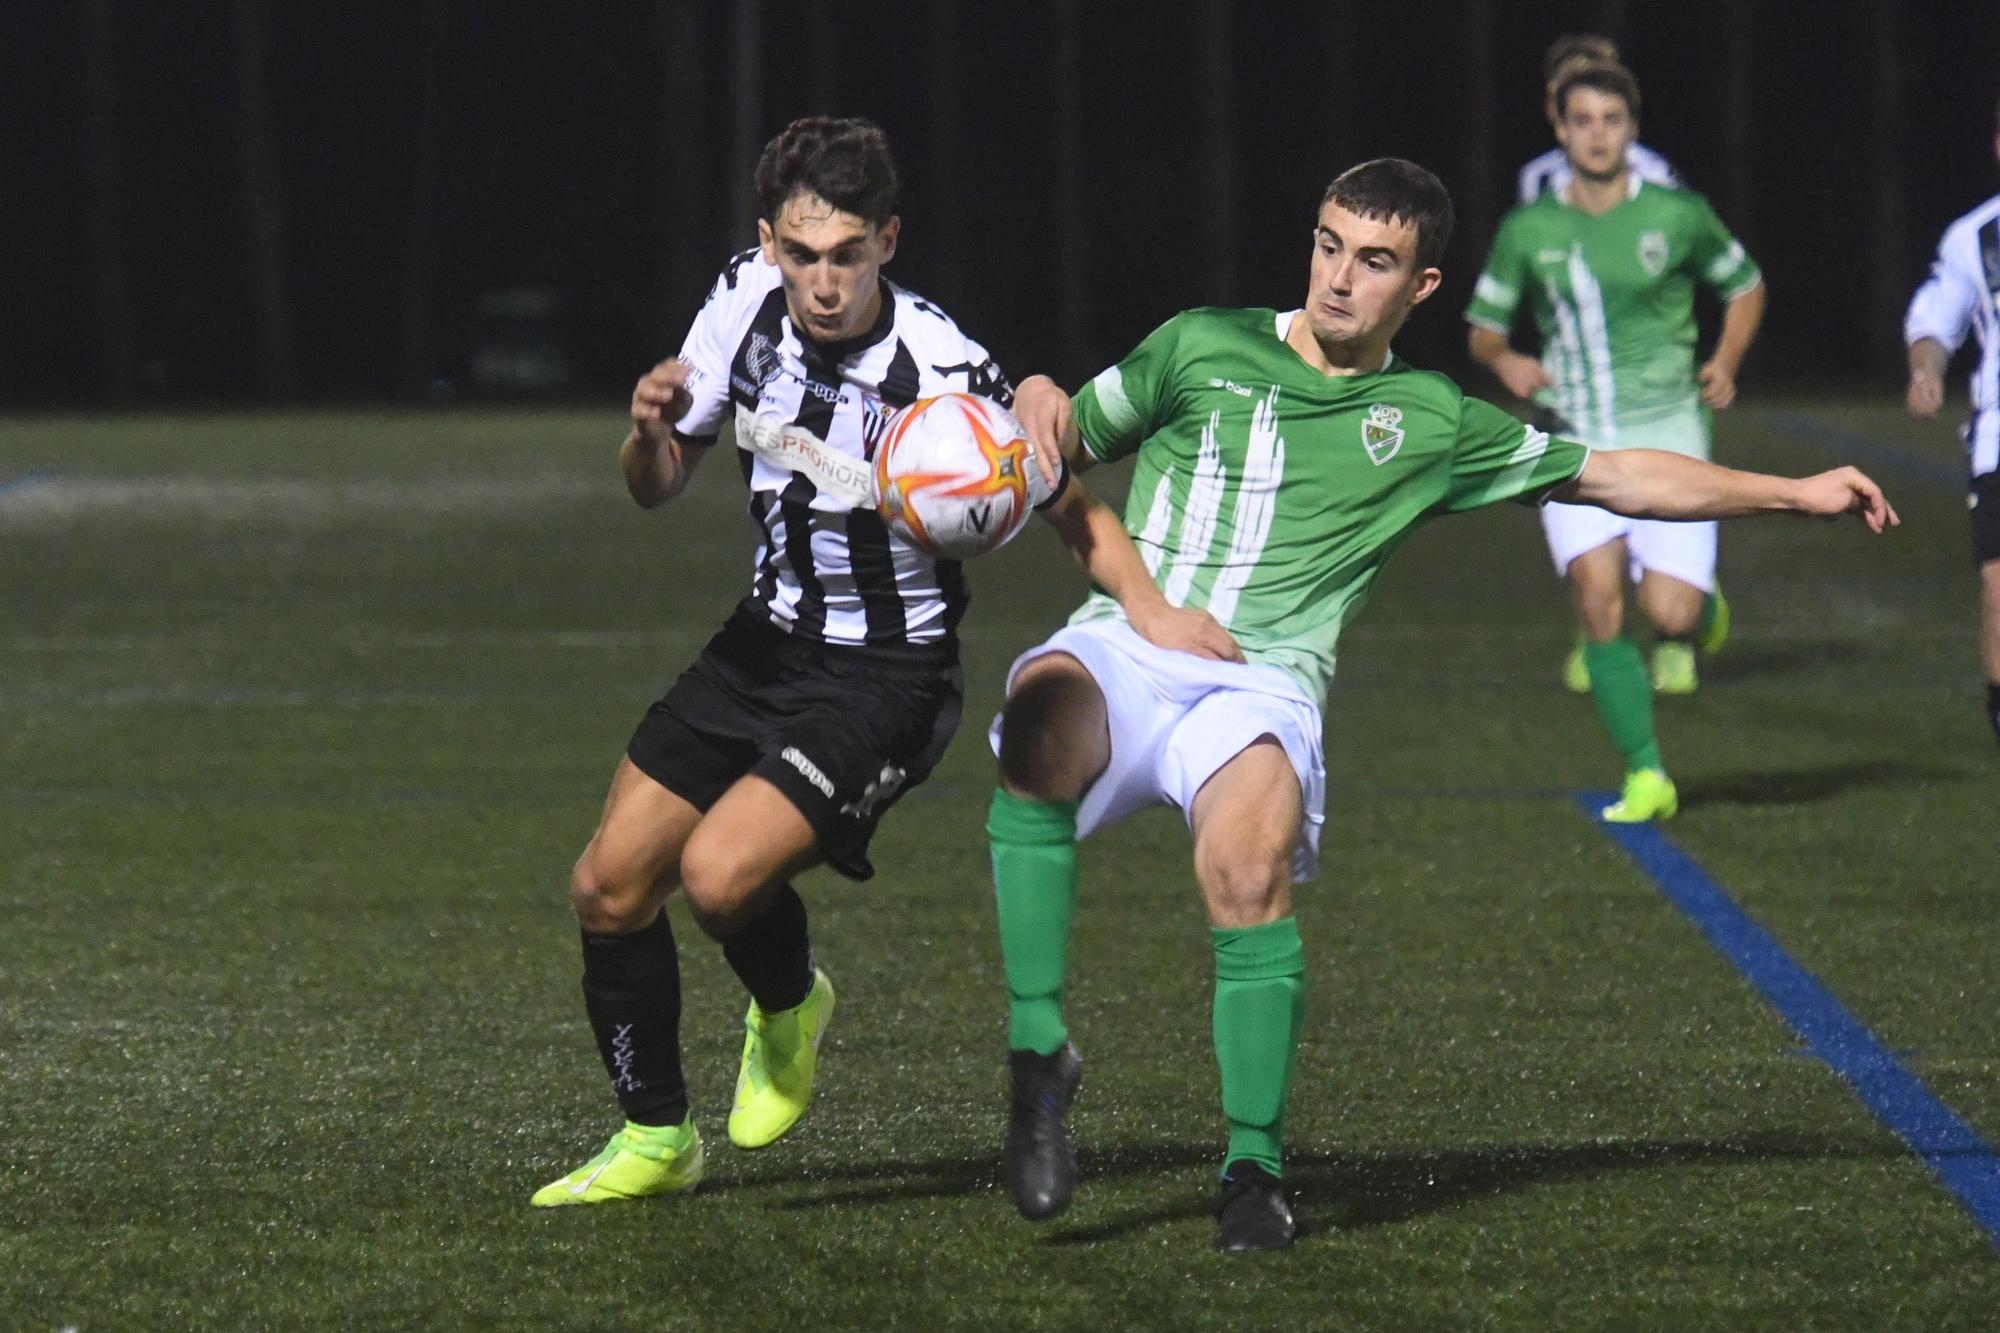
x: 632, y: 992
x: 1993, y: 707
x: 772, y: 955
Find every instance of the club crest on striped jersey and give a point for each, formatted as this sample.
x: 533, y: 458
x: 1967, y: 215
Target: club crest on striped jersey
x: 1653, y: 252
x: 1382, y: 432
x: 875, y: 416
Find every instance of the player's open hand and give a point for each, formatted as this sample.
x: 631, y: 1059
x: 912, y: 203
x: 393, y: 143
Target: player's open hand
x: 1718, y: 385
x: 1846, y: 490
x: 661, y: 397
x: 1185, y: 629
x: 1924, y: 396
x: 1522, y: 374
x: 1044, y: 409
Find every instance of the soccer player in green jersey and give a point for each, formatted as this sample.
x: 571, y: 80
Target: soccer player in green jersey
x: 1609, y: 265
x: 1280, y: 458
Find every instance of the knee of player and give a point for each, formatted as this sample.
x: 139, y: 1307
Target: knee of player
x: 604, y: 904
x: 1050, y: 741
x: 716, y: 880
x: 1243, y: 888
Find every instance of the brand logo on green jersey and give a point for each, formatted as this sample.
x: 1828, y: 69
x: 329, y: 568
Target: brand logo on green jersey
x: 1381, y: 433
x: 1653, y: 252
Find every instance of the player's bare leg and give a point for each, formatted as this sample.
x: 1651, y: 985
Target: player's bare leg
x: 631, y: 989
x: 1055, y: 741
x: 1989, y: 640
x: 1618, y: 684
x: 1246, y: 820
x: 1675, y: 607
x: 736, y: 874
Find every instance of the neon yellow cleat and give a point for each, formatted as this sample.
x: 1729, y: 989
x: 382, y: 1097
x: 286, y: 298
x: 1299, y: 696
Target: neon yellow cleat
x: 775, y: 1081
x: 1649, y: 795
x: 1576, y: 671
x: 640, y: 1160
x: 1718, y: 626
x: 1673, y: 668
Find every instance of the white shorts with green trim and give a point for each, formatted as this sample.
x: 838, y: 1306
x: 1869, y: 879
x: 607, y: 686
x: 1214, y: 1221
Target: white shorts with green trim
x: 1176, y: 719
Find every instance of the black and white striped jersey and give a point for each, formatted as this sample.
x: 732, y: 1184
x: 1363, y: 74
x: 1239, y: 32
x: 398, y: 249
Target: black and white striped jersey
x: 828, y: 569
x: 1961, y: 295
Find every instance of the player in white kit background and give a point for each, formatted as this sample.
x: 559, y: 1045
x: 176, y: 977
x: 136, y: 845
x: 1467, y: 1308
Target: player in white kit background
x: 1959, y: 297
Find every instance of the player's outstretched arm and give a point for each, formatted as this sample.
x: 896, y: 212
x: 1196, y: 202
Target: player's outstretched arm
x: 657, y: 462
x: 1652, y: 483
x: 1045, y: 410
x: 1099, y: 542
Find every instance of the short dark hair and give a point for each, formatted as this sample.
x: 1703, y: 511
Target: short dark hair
x: 844, y: 161
x: 1575, y: 46
x: 1389, y: 189
x: 1606, y: 76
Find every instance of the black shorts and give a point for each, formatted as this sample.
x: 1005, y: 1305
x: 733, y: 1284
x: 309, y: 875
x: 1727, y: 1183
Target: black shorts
x: 1984, y: 494
x: 842, y: 732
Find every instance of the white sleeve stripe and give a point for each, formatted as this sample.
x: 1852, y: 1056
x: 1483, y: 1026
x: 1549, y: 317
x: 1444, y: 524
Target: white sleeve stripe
x: 1512, y: 479
x: 1726, y: 262
x: 1495, y: 292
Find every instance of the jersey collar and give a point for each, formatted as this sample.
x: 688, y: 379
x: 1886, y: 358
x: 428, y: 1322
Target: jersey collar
x: 1632, y: 184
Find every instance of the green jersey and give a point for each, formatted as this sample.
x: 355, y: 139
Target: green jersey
x: 1613, y: 297
x: 1271, y: 494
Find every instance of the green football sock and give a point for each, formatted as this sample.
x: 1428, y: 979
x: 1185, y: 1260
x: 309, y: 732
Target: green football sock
x: 1705, y: 622
x: 1034, y: 888
x: 1260, y: 998
x: 1624, y: 699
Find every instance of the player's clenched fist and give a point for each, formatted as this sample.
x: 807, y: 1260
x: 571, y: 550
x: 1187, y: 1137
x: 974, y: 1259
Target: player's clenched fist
x: 661, y: 397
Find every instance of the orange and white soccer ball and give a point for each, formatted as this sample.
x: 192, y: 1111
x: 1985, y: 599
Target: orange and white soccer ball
x: 951, y: 475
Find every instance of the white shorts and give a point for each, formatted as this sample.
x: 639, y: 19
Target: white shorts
x: 1685, y: 551
x: 1175, y: 719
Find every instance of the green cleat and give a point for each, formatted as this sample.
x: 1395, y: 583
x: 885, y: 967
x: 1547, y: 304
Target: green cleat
x: 1649, y: 795
x: 640, y: 1160
x: 1710, y: 640
x: 775, y: 1081
x: 1673, y: 668
x: 1576, y: 671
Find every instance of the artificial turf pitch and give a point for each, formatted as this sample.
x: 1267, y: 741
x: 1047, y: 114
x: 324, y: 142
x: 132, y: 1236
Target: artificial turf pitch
x: 303, y: 719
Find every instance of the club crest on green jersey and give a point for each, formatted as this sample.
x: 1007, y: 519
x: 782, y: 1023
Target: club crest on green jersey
x: 1381, y: 433
x: 1653, y: 252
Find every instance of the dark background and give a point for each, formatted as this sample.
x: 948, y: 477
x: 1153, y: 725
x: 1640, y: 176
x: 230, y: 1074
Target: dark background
x: 216, y: 201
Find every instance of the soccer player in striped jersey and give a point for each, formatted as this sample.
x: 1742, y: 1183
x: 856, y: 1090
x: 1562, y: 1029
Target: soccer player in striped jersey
x: 1550, y: 173
x: 1963, y: 293
x: 1609, y: 269
x: 835, y: 685
x: 1281, y: 457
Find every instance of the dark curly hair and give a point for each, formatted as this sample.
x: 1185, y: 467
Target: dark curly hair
x: 844, y: 161
x: 1389, y: 189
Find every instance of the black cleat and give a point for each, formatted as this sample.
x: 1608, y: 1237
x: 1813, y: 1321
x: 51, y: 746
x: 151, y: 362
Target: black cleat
x: 1251, y: 1215
x: 1041, y: 1164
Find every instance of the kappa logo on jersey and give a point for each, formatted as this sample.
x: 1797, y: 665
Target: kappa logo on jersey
x: 1653, y: 252
x: 1381, y: 433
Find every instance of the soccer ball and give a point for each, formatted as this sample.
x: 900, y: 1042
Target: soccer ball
x: 951, y: 475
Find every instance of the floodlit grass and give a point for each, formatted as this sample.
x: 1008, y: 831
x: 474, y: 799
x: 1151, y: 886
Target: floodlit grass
x: 302, y: 720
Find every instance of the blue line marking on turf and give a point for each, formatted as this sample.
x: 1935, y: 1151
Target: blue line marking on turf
x: 21, y: 481
x: 1873, y: 453
x: 1896, y: 1097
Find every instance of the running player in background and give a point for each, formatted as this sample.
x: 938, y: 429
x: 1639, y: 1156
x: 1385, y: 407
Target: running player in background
x: 1962, y: 294
x: 1609, y: 268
